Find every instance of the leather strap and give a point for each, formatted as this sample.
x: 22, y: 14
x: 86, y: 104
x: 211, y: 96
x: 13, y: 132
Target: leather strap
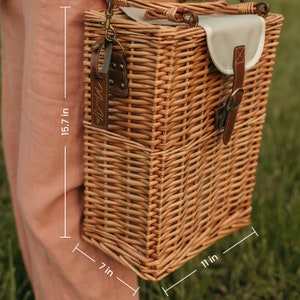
x: 111, y: 80
x: 99, y: 84
x: 233, y: 102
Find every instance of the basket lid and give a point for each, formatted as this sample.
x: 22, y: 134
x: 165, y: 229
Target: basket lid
x: 224, y: 33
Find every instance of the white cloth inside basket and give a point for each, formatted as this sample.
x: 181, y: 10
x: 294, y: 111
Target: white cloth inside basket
x: 224, y: 33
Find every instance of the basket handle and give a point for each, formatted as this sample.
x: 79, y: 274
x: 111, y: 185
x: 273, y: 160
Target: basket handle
x: 137, y: 2
x: 254, y: 8
x: 173, y: 14
x: 200, y: 7
x: 180, y: 14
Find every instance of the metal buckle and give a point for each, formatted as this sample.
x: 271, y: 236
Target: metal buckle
x: 229, y: 107
x: 222, y: 111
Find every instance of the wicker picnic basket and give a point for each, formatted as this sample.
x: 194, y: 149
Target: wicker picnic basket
x: 161, y: 183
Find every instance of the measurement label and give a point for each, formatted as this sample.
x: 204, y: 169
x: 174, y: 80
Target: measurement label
x: 108, y: 271
x: 210, y: 260
x: 65, y: 235
x: 65, y: 8
x: 64, y: 122
x: 207, y: 262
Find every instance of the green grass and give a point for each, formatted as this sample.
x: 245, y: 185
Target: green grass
x: 264, y: 267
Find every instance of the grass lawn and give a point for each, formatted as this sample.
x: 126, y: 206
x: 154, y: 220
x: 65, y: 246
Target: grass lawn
x: 263, y: 267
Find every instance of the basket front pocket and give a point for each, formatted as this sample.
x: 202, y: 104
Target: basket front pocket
x: 147, y: 208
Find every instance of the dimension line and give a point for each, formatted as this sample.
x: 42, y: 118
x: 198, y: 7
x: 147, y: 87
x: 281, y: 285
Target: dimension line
x: 65, y: 49
x: 253, y: 232
x: 135, y: 290
x: 166, y: 290
x: 83, y: 253
x: 65, y: 236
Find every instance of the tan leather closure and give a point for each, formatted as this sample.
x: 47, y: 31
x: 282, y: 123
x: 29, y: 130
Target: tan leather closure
x: 110, y: 81
x: 233, y: 102
x: 99, y: 84
x: 118, y: 83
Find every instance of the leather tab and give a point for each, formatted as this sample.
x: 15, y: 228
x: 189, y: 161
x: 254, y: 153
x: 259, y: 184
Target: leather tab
x: 99, y: 103
x: 111, y: 80
x: 235, y: 99
x: 118, y: 82
x: 99, y: 84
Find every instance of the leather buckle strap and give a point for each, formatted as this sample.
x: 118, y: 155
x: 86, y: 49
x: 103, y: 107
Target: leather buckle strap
x: 225, y: 115
x: 234, y: 101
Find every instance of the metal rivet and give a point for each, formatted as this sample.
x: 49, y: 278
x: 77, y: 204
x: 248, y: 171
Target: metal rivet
x: 113, y: 65
x: 122, y: 85
x: 122, y: 67
x: 111, y: 82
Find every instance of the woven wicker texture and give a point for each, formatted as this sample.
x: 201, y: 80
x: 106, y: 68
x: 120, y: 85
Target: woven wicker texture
x: 160, y: 186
